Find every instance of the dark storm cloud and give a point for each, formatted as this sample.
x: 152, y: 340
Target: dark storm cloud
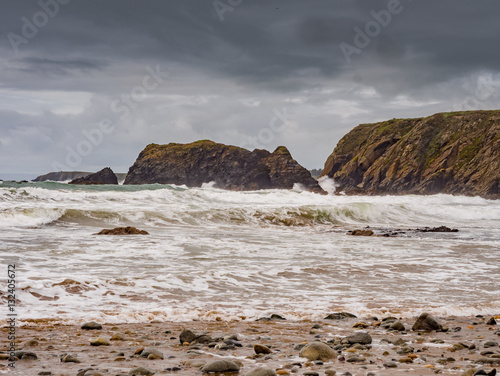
x: 230, y: 69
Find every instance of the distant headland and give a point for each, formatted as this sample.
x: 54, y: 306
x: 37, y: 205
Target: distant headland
x: 452, y: 153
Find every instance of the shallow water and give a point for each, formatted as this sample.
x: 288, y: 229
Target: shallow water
x: 214, y: 253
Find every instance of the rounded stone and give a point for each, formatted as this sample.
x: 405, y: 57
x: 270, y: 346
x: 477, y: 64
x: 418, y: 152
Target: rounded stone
x: 362, y: 338
x: 99, y: 342
x: 218, y: 366
x: 397, y: 325
x: 92, y: 325
x: 318, y: 351
x: 426, y: 323
x: 261, y: 371
x: 151, y: 351
x: 261, y: 349
x: 140, y: 371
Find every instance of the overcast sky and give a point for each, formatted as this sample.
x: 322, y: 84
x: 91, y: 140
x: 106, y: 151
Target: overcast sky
x: 88, y: 84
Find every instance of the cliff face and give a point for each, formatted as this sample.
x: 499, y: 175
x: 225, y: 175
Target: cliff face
x: 62, y: 176
x: 105, y: 176
x: 230, y: 167
x: 454, y: 153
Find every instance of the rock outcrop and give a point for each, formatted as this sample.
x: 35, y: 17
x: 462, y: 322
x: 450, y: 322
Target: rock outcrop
x: 105, y: 176
x: 453, y: 153
x: 71, y: 175
x: 122, y: 231
x: 230, y: 167
x: 62, y: 176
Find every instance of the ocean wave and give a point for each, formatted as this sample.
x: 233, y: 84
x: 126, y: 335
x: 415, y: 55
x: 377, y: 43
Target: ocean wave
x: 157, y: 205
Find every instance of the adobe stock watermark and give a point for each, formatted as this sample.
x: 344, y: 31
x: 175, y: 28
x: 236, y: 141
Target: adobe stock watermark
x: 372, y: 29
x: 485, y: 89
x: 123, y: 106
x: 224, y: 6
x: 278, y: 123
x: 30, y: 27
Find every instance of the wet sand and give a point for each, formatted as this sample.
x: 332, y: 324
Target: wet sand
x: 448, y: 353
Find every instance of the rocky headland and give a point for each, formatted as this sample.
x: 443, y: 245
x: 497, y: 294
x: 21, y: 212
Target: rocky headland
x: 452, y: 153
x: 62, y: 176
x: 105, y: 176
x: 230, y: 167
x: 71, y: 175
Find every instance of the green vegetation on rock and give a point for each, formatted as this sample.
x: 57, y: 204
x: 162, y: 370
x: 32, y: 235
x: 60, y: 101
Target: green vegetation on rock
x: 455, y: 152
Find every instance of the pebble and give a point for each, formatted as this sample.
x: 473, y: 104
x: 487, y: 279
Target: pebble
x: 31, y: 343
x: 356, y: 359
x: 282, y: 372
x: 390, y: 365
x: 398, y: 326
x: 117, y: 337
x: 151, y: 353
x: 187, y: 336
x: 359, y: 337
x: 85, y: 372
x: 340, y: 316
x: 66, y: 358
x: 92, y: 373
x: 261, y: 349
x: 405, y: 360
x: 92, y: 325
x: 25, y: 355
x: 140, y: 371
x: 490, y: 344
x: 491, y: 321
x: 261, y: 371
x: 361, y: 325
x: 99, y: 342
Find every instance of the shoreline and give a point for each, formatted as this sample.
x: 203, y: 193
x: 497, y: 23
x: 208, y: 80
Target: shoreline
x: 449, y: 352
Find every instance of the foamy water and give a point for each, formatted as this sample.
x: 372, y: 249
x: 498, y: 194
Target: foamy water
x: 214, y: 253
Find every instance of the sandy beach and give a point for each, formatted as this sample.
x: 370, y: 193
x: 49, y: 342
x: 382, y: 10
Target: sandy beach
x: 465, y: 343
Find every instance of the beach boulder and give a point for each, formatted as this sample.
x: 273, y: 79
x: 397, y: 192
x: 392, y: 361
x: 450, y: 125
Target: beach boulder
x: 317, y: 351
x: 219, y: 366
x: 426, y: 323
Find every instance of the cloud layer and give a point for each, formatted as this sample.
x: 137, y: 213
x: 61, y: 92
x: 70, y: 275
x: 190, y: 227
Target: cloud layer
x: 147, y: 71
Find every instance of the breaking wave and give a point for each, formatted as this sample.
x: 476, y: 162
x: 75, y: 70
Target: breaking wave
x: 155, y: 205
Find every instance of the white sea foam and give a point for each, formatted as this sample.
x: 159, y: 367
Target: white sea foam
x: 214, y: 253
x: 328, y: 184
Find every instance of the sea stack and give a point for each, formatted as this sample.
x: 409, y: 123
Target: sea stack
x: 105, y: 176
x: 230, y: 167
x: 453, y: 153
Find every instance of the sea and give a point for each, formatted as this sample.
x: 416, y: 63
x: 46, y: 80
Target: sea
x: 222, y: 255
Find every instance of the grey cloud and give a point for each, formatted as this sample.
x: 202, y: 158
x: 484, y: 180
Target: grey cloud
x: 266, y: 53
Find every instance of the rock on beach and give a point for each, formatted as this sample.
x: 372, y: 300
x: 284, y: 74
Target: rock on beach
x: 426, y: 323
x: 318, y: 351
